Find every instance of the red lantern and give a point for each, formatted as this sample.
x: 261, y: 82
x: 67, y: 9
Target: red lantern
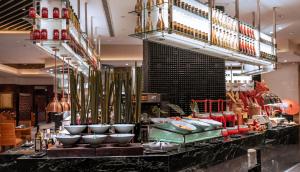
x: 44, y: 34
x: 65, y: 13
x: 32, y: 12
x: 55, y: 13
x: 55, y: 34
x: 44, y: 12
x: 36, y: 34
x: 64, y: 34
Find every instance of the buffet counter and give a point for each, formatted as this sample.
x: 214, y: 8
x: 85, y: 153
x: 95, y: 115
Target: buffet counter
x: 202, y: 155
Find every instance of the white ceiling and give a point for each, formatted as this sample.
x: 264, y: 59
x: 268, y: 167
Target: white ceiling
x: 17, y: 49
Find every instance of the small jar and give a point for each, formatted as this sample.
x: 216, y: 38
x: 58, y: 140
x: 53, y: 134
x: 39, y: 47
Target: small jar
x: 65, y: 13
x: 55, y: 12
x: 189, y: 8
x: 36, y: 35
x: 64, y: 34
x: 193, y: 9
x: 203, y: 14
x: 32, y: 13
x: 182, y: 5
x: 196, y: 10
x: 55, y: 34
x: 44, y: 34
x: 44, y: 12
x: 199, y: 12
x: 186, y: 6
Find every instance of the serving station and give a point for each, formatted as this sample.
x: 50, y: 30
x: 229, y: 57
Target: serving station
x: 101, y: 125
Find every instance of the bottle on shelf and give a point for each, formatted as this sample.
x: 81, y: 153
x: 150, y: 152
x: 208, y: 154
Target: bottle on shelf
x: 150, y: 4
x: 38, y: 140
x: 32, y: 12
x: 44, y: 34
x: 160, y: 22
x: 138, y: 6
x: 149, y: 26
x: 138, y: 27
x: 159, y: 2
x: 44, y: 12
x: 55, y: 12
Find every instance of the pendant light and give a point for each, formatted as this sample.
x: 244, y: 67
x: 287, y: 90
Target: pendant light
x: 54, y: 106
x: 63, y: 101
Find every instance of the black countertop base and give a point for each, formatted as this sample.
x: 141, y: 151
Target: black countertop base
x: 202, y: 155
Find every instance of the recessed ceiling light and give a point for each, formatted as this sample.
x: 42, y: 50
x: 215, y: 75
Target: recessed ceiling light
x: 284, y: 61
x: 126, y: 64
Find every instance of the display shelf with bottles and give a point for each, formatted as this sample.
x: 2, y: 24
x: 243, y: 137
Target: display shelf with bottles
x: 55, y: 24
x: 214, y: 33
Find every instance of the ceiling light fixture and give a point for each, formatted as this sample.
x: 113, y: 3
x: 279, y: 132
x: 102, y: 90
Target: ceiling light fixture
x: 126, y: 64
x: 285, y: 61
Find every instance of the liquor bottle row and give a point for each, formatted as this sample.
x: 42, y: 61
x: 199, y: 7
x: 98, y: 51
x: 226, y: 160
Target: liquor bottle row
x: 189, y: 31
x: 267, y: 56
x: 223, y: 20
x: 247, y: 46
x: 224, y: 38
x: 43, y: 34
x: 56, y: 13
x: 74, y: 19
x: 247, y: 30
x: 191, y: 8
x: 149, y: 5
x: 160, y: 25
x: 43, y: 140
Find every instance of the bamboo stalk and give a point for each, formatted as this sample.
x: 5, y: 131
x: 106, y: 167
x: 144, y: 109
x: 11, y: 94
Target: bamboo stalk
x: 82, y: 96
x: 73, y: 93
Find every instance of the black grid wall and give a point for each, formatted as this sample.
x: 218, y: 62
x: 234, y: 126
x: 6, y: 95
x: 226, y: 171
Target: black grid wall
x: 181, y: 75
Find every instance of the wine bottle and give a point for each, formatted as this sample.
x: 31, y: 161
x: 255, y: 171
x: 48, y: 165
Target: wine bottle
x: 159, y: 2
x: 160, y: 23
x: 149, y: 26
x: 149, y: 5
x: 138, y: 27
x: 138, y: 6
x: 38, y: 140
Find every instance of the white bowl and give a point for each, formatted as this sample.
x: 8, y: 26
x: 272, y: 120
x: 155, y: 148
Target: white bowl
x: 75, y: 129
x: 123, y: 128
x: 99, y: 128
x: 121, y: 138
x: 68, y: 140
x: 94, y: 140
x: 180, y: 125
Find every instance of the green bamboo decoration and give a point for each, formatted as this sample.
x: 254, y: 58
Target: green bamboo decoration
x: 118, y: 97
x: 138, y: 93
x: 73, y: 92
x: 101, y: 97
x: 82, y: 96
x: 127, y: 81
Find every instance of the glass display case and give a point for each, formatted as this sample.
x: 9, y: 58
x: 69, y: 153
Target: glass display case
x: 166, y: 132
